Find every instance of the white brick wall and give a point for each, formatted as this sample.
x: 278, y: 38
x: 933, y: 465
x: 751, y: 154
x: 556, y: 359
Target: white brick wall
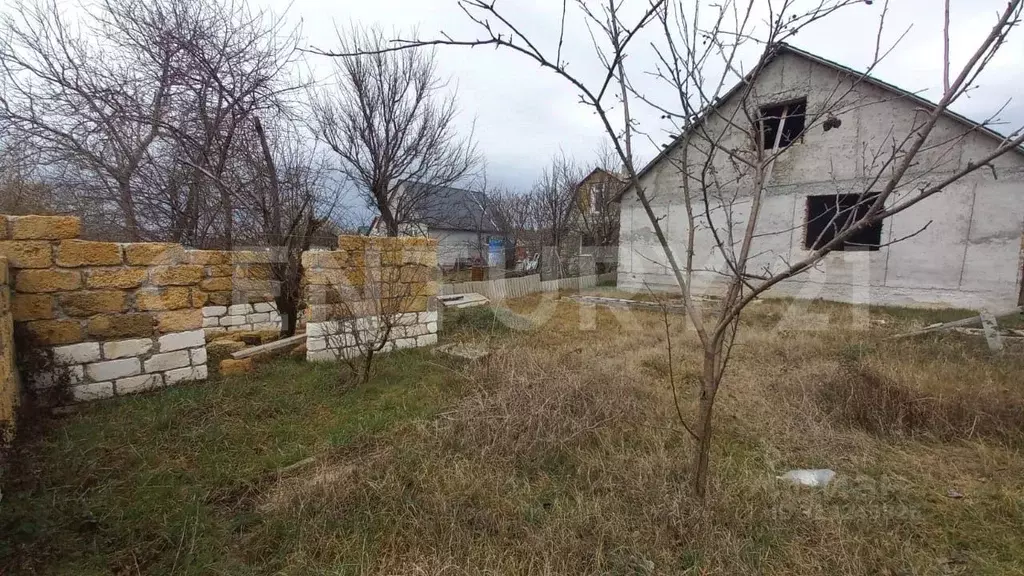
x: 241, y: 318
x: 334, y: 340
x: 97, y: 370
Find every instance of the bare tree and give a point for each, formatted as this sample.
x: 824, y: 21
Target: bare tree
x: 554, y: 203
x: 392, y: 123
x: 727, y: 154
x: 512, y: 214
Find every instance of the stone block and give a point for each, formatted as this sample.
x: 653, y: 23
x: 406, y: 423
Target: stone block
x: 127, y: 348
x: 259, y: 318
x: 168, y: 361
x: 43, y: 227
x: 198, y: 356
x: 231, y: 367
x: 27, y: 254
x: 55, y: 332
x: 209, y: 257
x: 94, y: 391
x: 210, y: 311
x: 199, y: 298
x: 267, y: 326
x: 122, y: 278
x: 37, y: 281
x: 83, y: 353
x: 232, y: 320
x: 237, y: 309
x: 211, y: 322
x: 172, y: 298
x: 432, y: 327
x: 63, y: 376
x: 219, y: 299
x: 250, y: 257
x: 225, y: 346
x: 221, y: 284
x: 181, y: 340
x: 113, y: 369
x: 111, y: 326
x: 3, y: 227
x: 426, y: 316
x: 181, y: 275
x: 315, y: 344
x: 153, y: 253
x: 76, y: 253
x: 189, y: 374
x: 179, y: 320
x: 328, y: 355
x: 214, y: 331
x: 264, y: 307
x: 220, y: 271
x: 401, y: 343
x: 25, y: 307
x: 90, y: 303
x: 138, y: 383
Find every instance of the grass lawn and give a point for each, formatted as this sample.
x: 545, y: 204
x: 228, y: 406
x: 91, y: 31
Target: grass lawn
x: 559, y: 454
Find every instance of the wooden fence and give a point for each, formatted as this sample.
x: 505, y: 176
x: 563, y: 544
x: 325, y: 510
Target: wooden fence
x: 503, y: 289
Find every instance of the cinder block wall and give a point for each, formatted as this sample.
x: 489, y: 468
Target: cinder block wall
x: 370, y: 283
x: 9, y: 391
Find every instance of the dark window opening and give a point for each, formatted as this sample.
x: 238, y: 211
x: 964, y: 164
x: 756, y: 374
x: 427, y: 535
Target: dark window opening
x: 772, y: 116
x: 829, y: 215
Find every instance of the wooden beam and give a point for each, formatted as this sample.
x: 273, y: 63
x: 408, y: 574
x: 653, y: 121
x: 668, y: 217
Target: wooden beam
x: 269, y: 347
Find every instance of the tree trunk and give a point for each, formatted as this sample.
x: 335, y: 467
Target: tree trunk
x: 702, y: 451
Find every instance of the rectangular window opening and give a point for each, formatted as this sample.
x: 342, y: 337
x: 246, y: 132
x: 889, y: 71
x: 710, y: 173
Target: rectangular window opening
x: 772, y: 117
x: 831, y: 214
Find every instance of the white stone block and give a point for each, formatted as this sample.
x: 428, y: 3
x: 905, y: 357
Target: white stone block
x: 167, y: 361
x: 259, y: 318
x: 432, y: 327
x: 76, y: 354
x: 213, y: 311
x: 189, y: 374
x: 232, y: 320
x: 94, y: 391
x: 139, y: 383
x: 244, y: 328
x: 266, y: 326
x: 322, y: 355
x: 402, y: 343
x: 316, y: 344
x: 274, y: 317
x: 239, y: 309
x: 427, y: 317
x: 127, y: 348
x: 64, y: 375
x: 198, y: 356
x: 113, y: 369
x: 264, y: 307
x: 211, y: 322
x: 426, y: 340
x: 181, y: 340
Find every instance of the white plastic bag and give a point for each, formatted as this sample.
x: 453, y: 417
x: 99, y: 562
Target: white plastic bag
x: 814, y: 478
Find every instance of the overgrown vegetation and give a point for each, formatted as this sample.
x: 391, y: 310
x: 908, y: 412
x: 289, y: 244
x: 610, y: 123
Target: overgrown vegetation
x: 559, y: 454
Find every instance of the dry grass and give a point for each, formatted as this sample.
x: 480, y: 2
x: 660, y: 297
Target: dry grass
x: 560, y: 454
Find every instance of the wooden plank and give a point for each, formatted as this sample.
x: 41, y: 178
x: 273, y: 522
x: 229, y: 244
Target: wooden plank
x: 988, y: 324
x: 269, y: 347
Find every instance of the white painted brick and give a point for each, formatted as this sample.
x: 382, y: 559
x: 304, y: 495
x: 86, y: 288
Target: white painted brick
x: 316, y: 344
x: 94, y: 391
x: 401, y: 343
x: 232, y: 320
x: 181, y: 340
x: 167, y: 361
x: 258, y: 318
x: 432, y: 327
x: 127, y: 348
x: 139, y: 383
x: 264, y: 307
x: 426, y: 340
x: 236, y: 309
x: 198, y: 356
x: 210, y: 311
x: 211, y: 322
x: 76, y: 354
x: 113, y: 369
x: 70, y: 375
x: 189, y: 374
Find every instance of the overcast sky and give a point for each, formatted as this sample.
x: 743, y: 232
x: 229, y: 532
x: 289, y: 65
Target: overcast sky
x: 523, y: 115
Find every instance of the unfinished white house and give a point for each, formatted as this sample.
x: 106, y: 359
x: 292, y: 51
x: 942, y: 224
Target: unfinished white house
x: 959, y: 248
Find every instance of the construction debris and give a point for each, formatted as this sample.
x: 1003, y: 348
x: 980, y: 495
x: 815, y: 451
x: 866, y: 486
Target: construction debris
x: 468, y: 300
x: 964, y: 323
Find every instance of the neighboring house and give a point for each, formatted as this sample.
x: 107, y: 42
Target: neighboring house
x: 597, y: 217
x: 457, y: 218
x: 969, y: 255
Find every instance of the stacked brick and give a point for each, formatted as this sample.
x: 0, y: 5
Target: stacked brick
x: 240, y: 292
x: 118, y: 318
x: 368, y: 288
x: 8, y: 369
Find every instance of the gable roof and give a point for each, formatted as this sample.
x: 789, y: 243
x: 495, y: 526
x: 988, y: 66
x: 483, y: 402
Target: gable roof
x: 449, y: 208
x: 783, y: 48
